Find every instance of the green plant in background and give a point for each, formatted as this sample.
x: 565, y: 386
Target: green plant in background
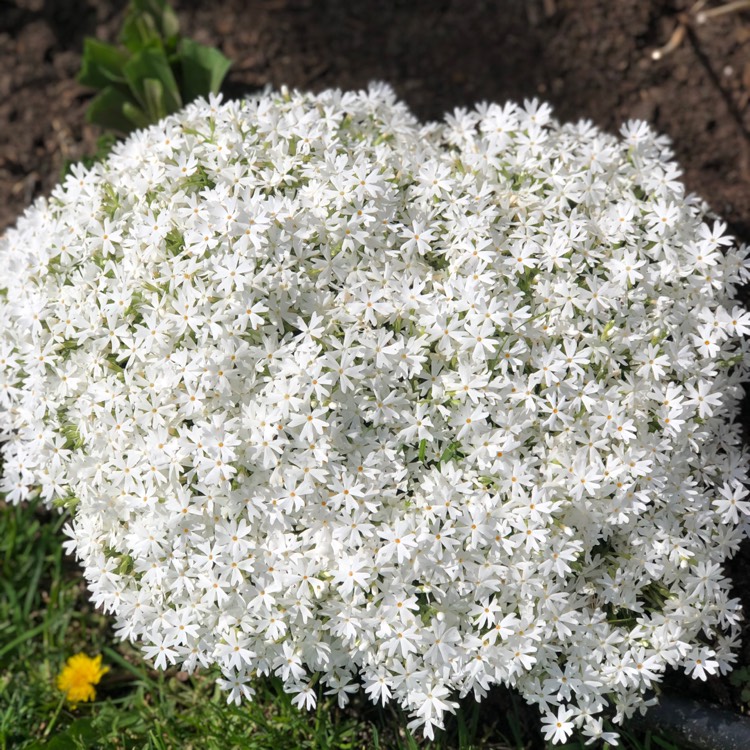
x: 740, y: 678
x: 153, y: 72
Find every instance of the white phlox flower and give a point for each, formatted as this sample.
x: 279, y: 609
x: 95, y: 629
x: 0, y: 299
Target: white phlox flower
x: 339, y: 397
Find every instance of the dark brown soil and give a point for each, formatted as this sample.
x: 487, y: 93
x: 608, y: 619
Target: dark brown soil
x: 590, y: 58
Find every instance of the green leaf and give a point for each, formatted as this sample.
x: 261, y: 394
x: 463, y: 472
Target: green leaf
x: 164, y: 17
x: 149, y: 22
x: 739, y: 676
x: 101, y: 64
x: 138, y: 32
x: 118, y: 659
x: 73, y: 438
x: 175, y: 241
x: 25, y: 636
x: 203, y: 69
x: 665, y: 744
x: 108, y: 110
x: 125, y: 566
x: 79, y: 734
x: 135, y: 115
x: 422, y: 449
x: 154, y: 93
x: 449, y: 453
x: 151, y: 63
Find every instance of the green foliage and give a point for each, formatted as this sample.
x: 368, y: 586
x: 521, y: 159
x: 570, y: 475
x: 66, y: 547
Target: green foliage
x: 740, y: 678
x: 152, y: 73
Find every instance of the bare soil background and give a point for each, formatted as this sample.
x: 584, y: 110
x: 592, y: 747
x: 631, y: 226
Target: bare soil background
x: 590, y: 58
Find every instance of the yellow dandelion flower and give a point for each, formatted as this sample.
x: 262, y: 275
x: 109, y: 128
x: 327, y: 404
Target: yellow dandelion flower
x: 78, y: 677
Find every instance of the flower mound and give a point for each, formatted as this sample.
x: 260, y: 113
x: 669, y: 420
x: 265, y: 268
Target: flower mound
x: 336, y: 395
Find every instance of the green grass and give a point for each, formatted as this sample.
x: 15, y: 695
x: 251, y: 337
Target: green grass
x: 45, y: 617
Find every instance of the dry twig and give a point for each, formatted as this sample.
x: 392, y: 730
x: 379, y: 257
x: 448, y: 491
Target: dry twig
x: 696, y: 15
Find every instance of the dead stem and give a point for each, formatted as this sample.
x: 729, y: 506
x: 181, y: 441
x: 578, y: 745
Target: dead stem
x: 674, y: 42
x: 696, y: 15
x: 705, y: 15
